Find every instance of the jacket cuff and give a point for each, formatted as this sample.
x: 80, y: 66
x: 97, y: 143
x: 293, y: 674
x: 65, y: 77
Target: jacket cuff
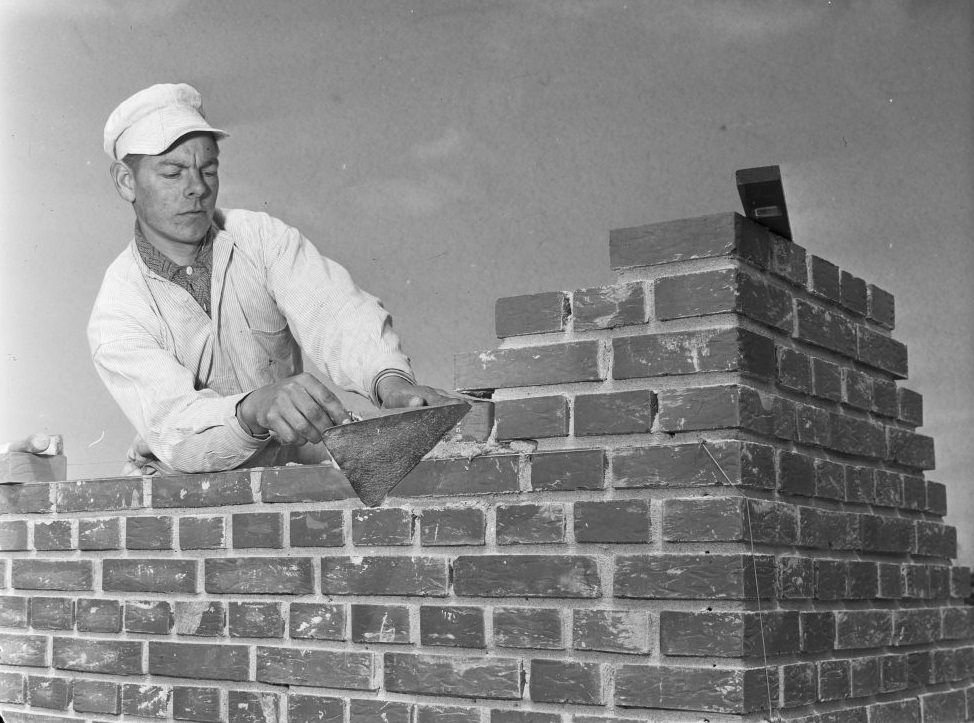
x: 402, y: 374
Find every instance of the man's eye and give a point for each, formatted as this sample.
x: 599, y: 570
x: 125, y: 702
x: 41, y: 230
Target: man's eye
x: 171, y: 175
x: 210, y: 174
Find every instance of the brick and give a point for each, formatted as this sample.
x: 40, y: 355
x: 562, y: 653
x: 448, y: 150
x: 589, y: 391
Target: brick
x: 794, y: 370
x: 114, y: 657
x: 725, y: 577
x: 528, y: 628
x: 454, y: 626
x: 812, y: 425
x: 149, y: 575
x: 717, y: 407
x: 205, y: 618
x: 723, y: 234
x: 13, y: 611
x: 201, y: 533
x: 881, y: 307
x: 818, y: 631
x: 721, y: 292
x: 12, y: 688
x: 865, y: 680
x: 796, y: 474
x: 258, y: 529
x: 476, y: 425
x: 96, y: 696
x: 935, y: 539
x: 860, y: 484
x: 424, y: 576
x: 916, y: 581
x: 385, y: 526
x: 381, y: 624
x: 13, y: 535
x: 857, y: 389
x: 690, y: 465
x: 29, y: 650
x: 960, y: 582
x: 259, y: 575
x: 530, y: 524
x: 829, y: 480
x: 530, y: 314
x: 315, y: 708
x: 255, y: 620
x: 729, y: 634
x: 96, y: 495
x: 99, y: 534
x: 37, y: 574
x: 784, y: 418
x: 693, y: 352
x: 719, y: 690
x: 939, y: 582
x: 523, y: 716
x: 317, y: 621
x: 480, y: 475
x: 607, y: 307
x: 882, y: 352
x: 826, y: 380
x: 828, y: 329
x: 613, y: 631
x: 914, y: 493
x: 853, y: 294
x: 452, y: 526
x: 379, y: 711
x: 885, y: 401
x: 917, y: 626
x: 446, y: 714
x: 566, y: 681
x: 317, y: 528
x: 532, y: 417
x: 54, y: 535
x: 528, y: 366
x: 52, y: 613
x: 788, y: 261
x: 889, y: 489
x: 196, y: 704
x: 910, y: 406
x: 823, y: 279
x: 858, y: 437
x: 936, y: 498
x: 830, y: 579
x: 211, y: 661
x: 799, y: 684
x: 202, y: 490
x: 148, y: 533
x: 775, y: 523
x: 703, y: 519
x: 887, y: 534
x: 612, y: 521
x: 862, y: 629
x: 894, y: 673
x: 253, y: 707
x: 943, y: 707
x: 834, y: 680
x: 145, y: 701
x: 828, y: 529
x: 17, y: 498
x: 53, y: 693
x: 898, y: 711
x: 562, y: 576
x: 615, y: 413
x: 796, y: 578
x: 315, y: 668
x: 154, y: 617
x: 910, y: 449
x: 493, y: 677
x: 863, y: 580
x: 308, y: 483
x: 568, y: 470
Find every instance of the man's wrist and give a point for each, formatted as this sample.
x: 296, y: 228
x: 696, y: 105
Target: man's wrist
x: 387, y: 382
x: 252, y: 429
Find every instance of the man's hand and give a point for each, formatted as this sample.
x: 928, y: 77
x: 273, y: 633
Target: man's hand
x: 396, y: 392
x: 298, y: 409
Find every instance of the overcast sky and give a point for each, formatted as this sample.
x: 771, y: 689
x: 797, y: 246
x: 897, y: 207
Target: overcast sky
x: 453, y: 152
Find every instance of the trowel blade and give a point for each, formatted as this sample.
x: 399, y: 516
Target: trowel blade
x: 375, y: 454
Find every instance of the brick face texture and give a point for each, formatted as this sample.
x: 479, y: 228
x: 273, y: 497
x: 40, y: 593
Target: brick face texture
x: 595, y: 566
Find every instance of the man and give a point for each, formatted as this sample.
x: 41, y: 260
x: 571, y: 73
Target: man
x: 197, y: 326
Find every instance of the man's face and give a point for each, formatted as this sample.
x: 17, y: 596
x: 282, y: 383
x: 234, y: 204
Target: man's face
x: 175, y: 192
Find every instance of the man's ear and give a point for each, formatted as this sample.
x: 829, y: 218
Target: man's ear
x: 124, y: 179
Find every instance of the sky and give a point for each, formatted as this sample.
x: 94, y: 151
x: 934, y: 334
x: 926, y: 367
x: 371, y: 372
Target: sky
x: 451, y: 152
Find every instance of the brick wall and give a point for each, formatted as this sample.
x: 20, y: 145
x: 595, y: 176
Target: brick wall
x: 701, y: 497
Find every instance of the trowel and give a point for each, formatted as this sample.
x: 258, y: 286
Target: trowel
x: 376, y: 453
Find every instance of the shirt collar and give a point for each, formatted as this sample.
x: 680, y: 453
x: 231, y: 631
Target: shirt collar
x: 159, y: 263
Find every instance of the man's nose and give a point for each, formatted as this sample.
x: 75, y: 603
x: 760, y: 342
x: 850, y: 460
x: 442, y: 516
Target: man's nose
x: 196, y: 185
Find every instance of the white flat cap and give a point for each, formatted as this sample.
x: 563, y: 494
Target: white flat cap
x: 153, y: 119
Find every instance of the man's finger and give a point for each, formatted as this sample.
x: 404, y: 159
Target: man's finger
x: 304, y: 428
x: 323, y: 397
x: 279, y: 425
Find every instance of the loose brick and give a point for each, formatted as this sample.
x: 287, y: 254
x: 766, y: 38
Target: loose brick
x: 612, y: 521
x: 477, y: 476
x: 101, y: 494
x: 259, y: 575
x: 52, y: 693
x: 568, y: 576
x: 315, y: 668
x: 201, y: 533
x: 385, y: 526
x: 853, y: 293
x: 212, y: 661
x: 307, y: 483
x: 528, y: 366
x: 497, y: 678
x: 823, y: 279
x: 693, y: 352
x: 114, y: 657
x: 862, y: 629
x: 461, y: 627
x: 566, y: 681
x: 530, y: 524
x: 613, y: 631
x: 197, y: 704
x: 317, y: 528
x: 452, y: 526
x: 255, y: 620
x: 703, y: 519
x: 96, y: 696
x: 37, y: 574
x: 684, y: 688
x: 532, y: 417
x: 54, y: 535
x: 718, y: 407
x: 200, y: 617
x: 99, y: 534
x: 19, y: 498
x: 29, y: 650
x: 568, y: 470
x: 380, y: 624
x: 52, y: 613
x: 693, y: 577
x: 530, y: 314
x: 607, y: 307
x: 825, y: 328
x: 615, y: 413
x: 379, y: 711
x: 881, y: 307
x: 528, y: 628
x: 258, y: 529
x: 690, y: 465
x: 148, y: 533
x: 425, y: 576
x: 882, y: 352
x: 154, y: 617
x: 315, y: 708
x: 150, y: 575
x: 317, y: 621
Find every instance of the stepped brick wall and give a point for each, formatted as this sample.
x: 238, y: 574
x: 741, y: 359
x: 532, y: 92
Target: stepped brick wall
x: 697, y: 494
